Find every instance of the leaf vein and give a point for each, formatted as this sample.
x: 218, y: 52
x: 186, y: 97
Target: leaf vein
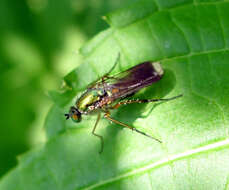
x: 227, y: 183
x: 174, y: 8
x: 221, y: 25
x: 157, y: 5
x: 216, y: 103
x: 182, y: 32
x: 150, y: 180
x: 122, y: 49
x: 205, y: 97
x: 194, y: 54
x: 156, y: 39
x: 162, y: 162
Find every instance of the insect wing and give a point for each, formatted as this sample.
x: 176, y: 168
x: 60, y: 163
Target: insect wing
x: 133, y: 79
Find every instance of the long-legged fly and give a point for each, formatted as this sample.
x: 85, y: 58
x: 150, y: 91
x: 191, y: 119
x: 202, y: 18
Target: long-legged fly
x: 109, y: 93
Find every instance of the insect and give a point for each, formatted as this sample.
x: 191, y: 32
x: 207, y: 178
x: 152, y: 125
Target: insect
x: 109, y: 93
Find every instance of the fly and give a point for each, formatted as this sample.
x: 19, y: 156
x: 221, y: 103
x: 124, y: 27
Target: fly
x: 109, y: 93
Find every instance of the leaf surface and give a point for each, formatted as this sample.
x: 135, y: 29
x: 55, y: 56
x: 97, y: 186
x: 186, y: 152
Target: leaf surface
x: 191, y: 41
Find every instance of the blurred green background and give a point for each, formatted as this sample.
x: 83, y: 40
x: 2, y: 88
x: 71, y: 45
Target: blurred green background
x: 39, y: 40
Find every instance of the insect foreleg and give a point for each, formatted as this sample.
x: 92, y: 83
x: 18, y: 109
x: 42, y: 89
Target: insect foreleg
x: 99, y: 136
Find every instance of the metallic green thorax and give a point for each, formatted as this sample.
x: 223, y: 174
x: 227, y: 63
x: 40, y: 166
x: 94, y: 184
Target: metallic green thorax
x: 89, y: 98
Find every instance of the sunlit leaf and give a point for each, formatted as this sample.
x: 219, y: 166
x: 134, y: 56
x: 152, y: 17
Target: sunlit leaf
x: 191, y: 41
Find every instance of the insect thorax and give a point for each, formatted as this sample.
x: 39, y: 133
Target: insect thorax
x: 89, y: 99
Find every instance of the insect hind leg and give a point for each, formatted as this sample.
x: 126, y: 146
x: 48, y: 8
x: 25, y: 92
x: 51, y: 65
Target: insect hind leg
x: 143, y: 101
x: 160, y: 99
x: 107, y: 116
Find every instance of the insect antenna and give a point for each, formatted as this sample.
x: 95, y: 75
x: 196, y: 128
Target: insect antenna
x: 67, y: 116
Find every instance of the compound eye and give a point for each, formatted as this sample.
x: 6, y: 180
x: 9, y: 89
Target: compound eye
x: 76, y: 117
x: 75, y: 114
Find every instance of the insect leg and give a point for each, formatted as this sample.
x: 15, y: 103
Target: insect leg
x: 107, y: 116
x: 143, y: 101
x: 106, y: 76
x: 113, y: 67
x: 99, y: 136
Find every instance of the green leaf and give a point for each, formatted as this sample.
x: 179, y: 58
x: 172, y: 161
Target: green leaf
x: 191, y: 40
